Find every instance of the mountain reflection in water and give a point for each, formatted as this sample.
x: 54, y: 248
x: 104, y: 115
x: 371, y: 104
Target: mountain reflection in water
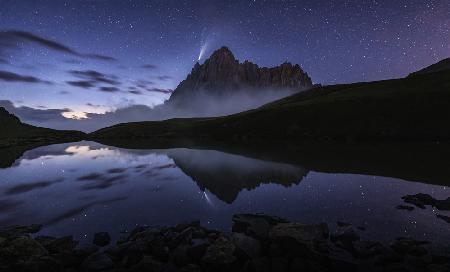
x: 82, y: 188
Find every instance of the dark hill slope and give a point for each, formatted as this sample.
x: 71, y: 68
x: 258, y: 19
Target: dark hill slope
x: 14, y: 132
x: 443, y: 65
x: 414, y: 108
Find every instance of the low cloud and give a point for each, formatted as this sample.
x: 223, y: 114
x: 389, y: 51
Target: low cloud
x: 32, y: 115
x: 200, y: 105
x: 13, y: 77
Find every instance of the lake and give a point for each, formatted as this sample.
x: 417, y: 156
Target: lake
x: 82, y: 188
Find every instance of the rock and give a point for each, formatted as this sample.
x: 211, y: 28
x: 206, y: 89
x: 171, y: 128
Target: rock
x: 179, y: 256
x: 405, y: 207
x: 247, y: 245
x: 61, y: 245
x: 409, y: 246
x: 345, y: 235
x: 42, y: 263
x: 388, y: 257
x: 191, y: 268
x: 22, y: 247
x: 419, y: 200
x: 366, y: 249
x: 147, y: 264
x: 279, y: 264
x: 443, y: 217
x: 197, y: 249
x: 438, y: 268
x: 44, y: 240
x: 97, y: 262
x: 101, y: 239
x: 220, y: 254
x: 15, y: 231
x: 301, y: 238
x: 2, y: 240
x: 199, y: 234
x: 261, y: 264
x: 342, y: 224
x: 183, y: 226
x: 257, y: 226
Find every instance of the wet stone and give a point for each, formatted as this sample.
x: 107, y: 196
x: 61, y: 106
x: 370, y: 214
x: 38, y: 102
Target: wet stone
x: 97, y: 262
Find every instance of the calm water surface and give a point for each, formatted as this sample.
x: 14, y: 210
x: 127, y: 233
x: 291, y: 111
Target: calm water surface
x: 82, y: 188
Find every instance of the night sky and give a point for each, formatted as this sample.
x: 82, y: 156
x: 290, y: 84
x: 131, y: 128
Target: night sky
x: 95, y: 56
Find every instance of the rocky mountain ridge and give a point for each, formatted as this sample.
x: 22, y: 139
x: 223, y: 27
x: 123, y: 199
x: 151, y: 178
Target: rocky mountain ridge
x: 222, y: 74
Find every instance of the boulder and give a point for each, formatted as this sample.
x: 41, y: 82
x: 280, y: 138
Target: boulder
x: 220, y: 254
x: 22, y: 247
x: 97, y: 262
x: 366, y: 249
x: 301, y: 238
x: 147, y: 264
x: 16, y: 231
x: 344, y: 236
x: 409, y: 246
x: 255, y: 225
x: 249, y: 246
x: 61, y: 245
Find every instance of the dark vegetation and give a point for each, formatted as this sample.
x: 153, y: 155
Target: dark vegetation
x: 15, y: 133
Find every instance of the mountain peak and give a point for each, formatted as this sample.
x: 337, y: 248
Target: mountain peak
x: 223, y: 52
x: 223, y: 74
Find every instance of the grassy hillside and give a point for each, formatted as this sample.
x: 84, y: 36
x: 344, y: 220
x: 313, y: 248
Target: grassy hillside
x: 414, y: 108
x: 443, y: 65
x: 14, y: 133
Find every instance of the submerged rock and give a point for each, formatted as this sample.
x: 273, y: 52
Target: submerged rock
x: 422, y: 200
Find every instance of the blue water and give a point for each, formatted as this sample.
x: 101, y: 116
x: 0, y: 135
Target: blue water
x: 82, y: 188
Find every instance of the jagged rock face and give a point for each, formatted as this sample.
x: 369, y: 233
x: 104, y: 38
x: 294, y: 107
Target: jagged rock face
x: 222, y: 74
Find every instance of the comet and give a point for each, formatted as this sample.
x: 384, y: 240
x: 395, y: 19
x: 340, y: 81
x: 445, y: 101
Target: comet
x: 202, y: 51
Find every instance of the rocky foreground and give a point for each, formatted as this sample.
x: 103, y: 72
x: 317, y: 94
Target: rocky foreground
x: 256, y: 243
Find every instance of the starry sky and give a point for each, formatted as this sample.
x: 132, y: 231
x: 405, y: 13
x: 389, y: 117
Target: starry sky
x: 94, y: 56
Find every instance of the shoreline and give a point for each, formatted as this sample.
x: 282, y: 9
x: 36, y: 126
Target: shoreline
x: 257, y: 242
